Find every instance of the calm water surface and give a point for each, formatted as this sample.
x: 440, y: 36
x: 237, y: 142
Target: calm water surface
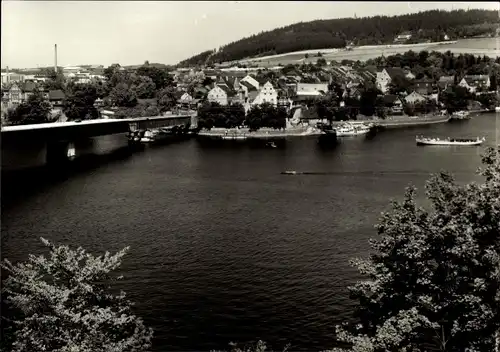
x: 225, y: 248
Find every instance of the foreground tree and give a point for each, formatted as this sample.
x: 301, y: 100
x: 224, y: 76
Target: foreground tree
x: 64, y: 304
x: 434, y: 277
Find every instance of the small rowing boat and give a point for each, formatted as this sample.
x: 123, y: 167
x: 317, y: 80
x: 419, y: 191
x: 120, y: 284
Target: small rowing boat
x: 449, y: 141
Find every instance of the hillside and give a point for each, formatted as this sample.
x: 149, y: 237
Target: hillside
x: 336, y: 33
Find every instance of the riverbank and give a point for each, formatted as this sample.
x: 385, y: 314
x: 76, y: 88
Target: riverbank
x: 400, y: 121
x: 262, y: 133
x: 265, y: 133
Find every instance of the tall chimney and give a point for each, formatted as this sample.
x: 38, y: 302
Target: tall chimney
x: 8, y: 76
x: 55, y: 58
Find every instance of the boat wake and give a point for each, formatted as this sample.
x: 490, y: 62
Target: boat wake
x: 356, y: 173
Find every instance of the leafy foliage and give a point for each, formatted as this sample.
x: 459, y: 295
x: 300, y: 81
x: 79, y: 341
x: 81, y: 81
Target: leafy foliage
x: 260, y: 346
x: 122, y: 95
x: 159, y: 76
x: 212, y: 114
x: 335, y: 33
x: 370, y: 100
x: 35, y: 109
x: 433, y: 280
x: 166, y: 98
x: 455, y: 98
x: 399, y: 84
x: 435, y: 64
x: 266, y: 115
x: 80, y: 103
x: 65, y: 305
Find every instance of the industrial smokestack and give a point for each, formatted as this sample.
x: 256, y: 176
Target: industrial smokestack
x: 55, y: 58
x: 8, y: 76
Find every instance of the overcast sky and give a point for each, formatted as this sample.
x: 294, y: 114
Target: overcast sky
x: 128, y: 32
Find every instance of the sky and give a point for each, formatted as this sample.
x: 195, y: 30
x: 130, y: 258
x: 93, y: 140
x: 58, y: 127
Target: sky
x: 129, y: 32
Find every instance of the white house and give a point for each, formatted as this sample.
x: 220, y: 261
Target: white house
x: 266, y: 95
x: 403, y: 37
x: 414, y: 97
x: 386, y: 75
x: 217, y: 95
x: 251, y: 80
x: 475, y: 83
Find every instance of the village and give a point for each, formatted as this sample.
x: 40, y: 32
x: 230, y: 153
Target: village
x: 288, y: 87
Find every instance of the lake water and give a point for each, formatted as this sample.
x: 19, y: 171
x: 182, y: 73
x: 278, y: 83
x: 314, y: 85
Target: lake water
x: 225, y: 248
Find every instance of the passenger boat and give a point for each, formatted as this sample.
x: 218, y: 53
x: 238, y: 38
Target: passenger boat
x: 421, y: 140
x: 289, y: 173
x: 149, y: 136
x: 348, y: 129
x: 497, y: 108
x: 460, y: 115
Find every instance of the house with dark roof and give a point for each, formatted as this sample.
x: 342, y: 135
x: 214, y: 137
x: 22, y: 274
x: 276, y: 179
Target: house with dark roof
x: 424, y: 87
x: 393, y: 104
x: 475, y: 83
x: 445, y: 81
x: 56, y: 98
x: 252, y: 80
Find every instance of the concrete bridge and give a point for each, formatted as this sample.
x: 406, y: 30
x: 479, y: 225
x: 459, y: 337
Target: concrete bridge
x: 35, y: 145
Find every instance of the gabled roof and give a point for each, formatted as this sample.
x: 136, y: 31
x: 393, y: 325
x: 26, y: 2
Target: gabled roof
x: 414, y: 94
x: 56, y: 95
x: 395, y: 71
x: 390, y: 98
x: 248, y: 85
x: 252, y: 95
x: 476, y: 79
x: 230, y: 92
x: 28, y: 86
x: 262, y: 80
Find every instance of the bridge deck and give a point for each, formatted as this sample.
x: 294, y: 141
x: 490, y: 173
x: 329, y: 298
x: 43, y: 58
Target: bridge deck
x: 87, y: 128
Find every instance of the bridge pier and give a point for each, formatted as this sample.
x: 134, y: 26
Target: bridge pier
x: 59, y: 153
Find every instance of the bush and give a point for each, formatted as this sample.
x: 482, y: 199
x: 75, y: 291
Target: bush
x: 63, y: 303
x: 433, y: 280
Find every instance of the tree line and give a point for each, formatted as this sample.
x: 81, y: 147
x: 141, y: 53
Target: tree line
x: 336, y: 33
x: 434, y: 64
x: 212, y: 114
x: 147, y: 91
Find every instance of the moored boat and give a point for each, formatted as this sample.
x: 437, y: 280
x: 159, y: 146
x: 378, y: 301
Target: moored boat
x: 460, y: 115
x: 348, y: 129
x: 421, y: 140
x: 497, y: 108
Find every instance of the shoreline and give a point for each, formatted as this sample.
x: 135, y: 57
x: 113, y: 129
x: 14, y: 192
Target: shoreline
x: 267, y: 133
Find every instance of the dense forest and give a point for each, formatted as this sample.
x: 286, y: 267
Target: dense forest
x: 337, y: 33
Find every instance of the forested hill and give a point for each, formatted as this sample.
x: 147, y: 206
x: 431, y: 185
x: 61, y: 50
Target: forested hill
x: 336, y: 33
